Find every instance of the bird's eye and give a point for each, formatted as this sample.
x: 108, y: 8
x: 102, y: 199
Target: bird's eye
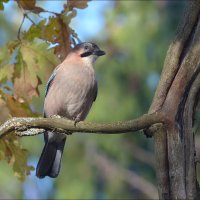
x: 86, y: 47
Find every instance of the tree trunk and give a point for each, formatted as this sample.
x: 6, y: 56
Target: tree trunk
x: 175, y: 98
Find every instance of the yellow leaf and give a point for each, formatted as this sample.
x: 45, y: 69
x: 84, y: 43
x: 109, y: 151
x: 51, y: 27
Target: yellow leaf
x: 16, y: 108
x: 32, y: 60
x: 16, y: 156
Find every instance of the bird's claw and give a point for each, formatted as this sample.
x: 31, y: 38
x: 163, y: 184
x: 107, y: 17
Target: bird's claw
x: 76, y: 120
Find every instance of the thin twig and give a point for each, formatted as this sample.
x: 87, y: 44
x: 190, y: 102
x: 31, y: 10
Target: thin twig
x: 19, y: 30
x: 26, y: 15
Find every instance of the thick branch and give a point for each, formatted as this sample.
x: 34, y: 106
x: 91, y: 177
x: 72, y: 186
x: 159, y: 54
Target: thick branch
x: 162, y: 165
x: 180, y: 63
x: 63, y: 125
x: 173, y: 58
x: 185, y: 119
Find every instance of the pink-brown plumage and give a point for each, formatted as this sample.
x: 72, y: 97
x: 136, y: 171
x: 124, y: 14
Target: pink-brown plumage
x: 71, y: 90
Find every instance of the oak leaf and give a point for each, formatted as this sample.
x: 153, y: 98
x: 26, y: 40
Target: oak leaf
x: 29, y: 5
x: 71, y: 4
x: 6, y: 73
x: 12, y: 151
x: 33, y: 60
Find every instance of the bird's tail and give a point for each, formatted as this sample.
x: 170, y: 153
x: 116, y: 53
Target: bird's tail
x: 50, y: 159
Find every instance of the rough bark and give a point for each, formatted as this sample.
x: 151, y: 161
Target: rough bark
x: 176, y: 169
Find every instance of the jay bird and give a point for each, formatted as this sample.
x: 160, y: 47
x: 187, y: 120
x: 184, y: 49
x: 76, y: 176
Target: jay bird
x: 70, y: 92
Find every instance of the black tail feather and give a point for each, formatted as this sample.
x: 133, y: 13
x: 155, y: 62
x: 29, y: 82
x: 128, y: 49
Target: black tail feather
x: 50, y: 159
x: 55, y: 169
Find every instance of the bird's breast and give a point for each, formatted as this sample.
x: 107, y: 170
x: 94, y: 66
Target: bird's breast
x: 71, y: 93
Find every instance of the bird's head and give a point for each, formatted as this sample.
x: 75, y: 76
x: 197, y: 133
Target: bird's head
x: 88, y: 51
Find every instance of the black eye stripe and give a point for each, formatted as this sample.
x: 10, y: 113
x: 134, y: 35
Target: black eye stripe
x: 86, y: 54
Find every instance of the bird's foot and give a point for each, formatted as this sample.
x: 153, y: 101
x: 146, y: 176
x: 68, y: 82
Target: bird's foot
x: 76, y: 120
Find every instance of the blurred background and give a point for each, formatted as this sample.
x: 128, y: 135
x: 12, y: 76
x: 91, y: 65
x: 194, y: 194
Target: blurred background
x: 135, y: 35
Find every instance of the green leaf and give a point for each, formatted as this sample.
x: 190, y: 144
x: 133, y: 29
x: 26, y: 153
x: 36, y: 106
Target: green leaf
x: 56, y: 31
x: 36, y: 31
x: 1, y: 4
x: 67, y: 18
x: 2, y: 150
x: 5, y: 56
x: 6, y: 73
x: 52, y: 30
x: 7, y: 69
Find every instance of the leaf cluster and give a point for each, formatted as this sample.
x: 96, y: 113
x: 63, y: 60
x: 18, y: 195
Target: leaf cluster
x: 26, y: 63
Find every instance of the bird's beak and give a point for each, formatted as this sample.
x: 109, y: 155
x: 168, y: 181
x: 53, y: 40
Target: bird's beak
x: 99, y: 53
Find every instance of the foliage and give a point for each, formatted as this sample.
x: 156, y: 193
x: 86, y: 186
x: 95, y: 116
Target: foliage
x: 25, y: 64
x: 136, y: 37
x: 1, y: 4
x: 15, y: 155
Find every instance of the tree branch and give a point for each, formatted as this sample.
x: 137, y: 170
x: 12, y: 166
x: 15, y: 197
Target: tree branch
x: 63, y: 125
x: 185, y: 117
x: 174, y: 55
x: 162, y: 165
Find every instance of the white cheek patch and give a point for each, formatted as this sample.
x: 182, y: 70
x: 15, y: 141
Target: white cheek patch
x: 90, y: 59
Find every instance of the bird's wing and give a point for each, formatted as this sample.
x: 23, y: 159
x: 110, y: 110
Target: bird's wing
x: 49, y: 83
x: 96, y: 90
